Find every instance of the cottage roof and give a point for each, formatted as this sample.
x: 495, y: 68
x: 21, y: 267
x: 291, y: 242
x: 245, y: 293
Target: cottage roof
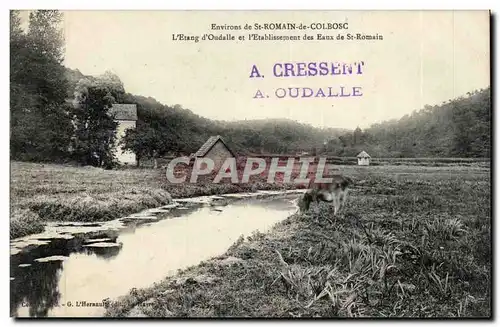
x: 209, y: 144
x: 363, y: 154
x: 122, y: 111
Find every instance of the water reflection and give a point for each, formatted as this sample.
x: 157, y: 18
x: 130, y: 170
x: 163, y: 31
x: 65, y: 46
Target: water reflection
x: 103, y: 252
x: 148, y: 252
x: 35, y: 287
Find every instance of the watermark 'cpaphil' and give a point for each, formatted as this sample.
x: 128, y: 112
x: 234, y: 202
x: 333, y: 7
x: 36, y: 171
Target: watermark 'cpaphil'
x: 253, y: 166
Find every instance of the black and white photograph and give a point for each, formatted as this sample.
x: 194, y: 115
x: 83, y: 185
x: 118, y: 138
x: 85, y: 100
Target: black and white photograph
x: 293, y: 164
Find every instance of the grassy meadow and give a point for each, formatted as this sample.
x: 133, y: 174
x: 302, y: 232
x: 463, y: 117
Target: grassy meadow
x: 412, y: 242
x: 50, y: 192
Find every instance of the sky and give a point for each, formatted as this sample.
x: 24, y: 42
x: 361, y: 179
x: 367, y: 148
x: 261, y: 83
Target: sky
x: 424, y: 58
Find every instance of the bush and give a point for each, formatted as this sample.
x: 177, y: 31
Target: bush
x: 24, y: 222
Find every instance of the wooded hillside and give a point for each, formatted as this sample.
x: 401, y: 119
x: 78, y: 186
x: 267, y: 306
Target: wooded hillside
x: 458, y: 128
x: 43, y: 123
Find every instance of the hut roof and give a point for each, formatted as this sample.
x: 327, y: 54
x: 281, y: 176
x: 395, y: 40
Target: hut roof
x: 209, y: 144
x: 363, y: 154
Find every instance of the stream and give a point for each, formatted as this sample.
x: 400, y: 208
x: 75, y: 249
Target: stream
x: 70, y: 268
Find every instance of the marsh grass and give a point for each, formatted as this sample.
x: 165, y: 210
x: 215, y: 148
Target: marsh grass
x: 420, y: 250
x: 24, y: 222
x: 445, y: 229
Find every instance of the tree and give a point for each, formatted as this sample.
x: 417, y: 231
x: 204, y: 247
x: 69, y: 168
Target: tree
x: 45, y: 35
x: 45, y: 39
x: 41, y: 127
x: 112, y: 82
x: 357, y: 136
x: 18, y: 43
x: 145, y: 142
x: 95, y: 128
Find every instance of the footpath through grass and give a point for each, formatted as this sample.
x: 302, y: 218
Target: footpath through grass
x: 413, y: 242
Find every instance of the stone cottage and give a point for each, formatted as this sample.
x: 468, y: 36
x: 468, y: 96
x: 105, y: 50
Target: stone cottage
x: 216, y: 149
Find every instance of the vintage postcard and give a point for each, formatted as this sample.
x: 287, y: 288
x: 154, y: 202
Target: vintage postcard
x: 250, y: 164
